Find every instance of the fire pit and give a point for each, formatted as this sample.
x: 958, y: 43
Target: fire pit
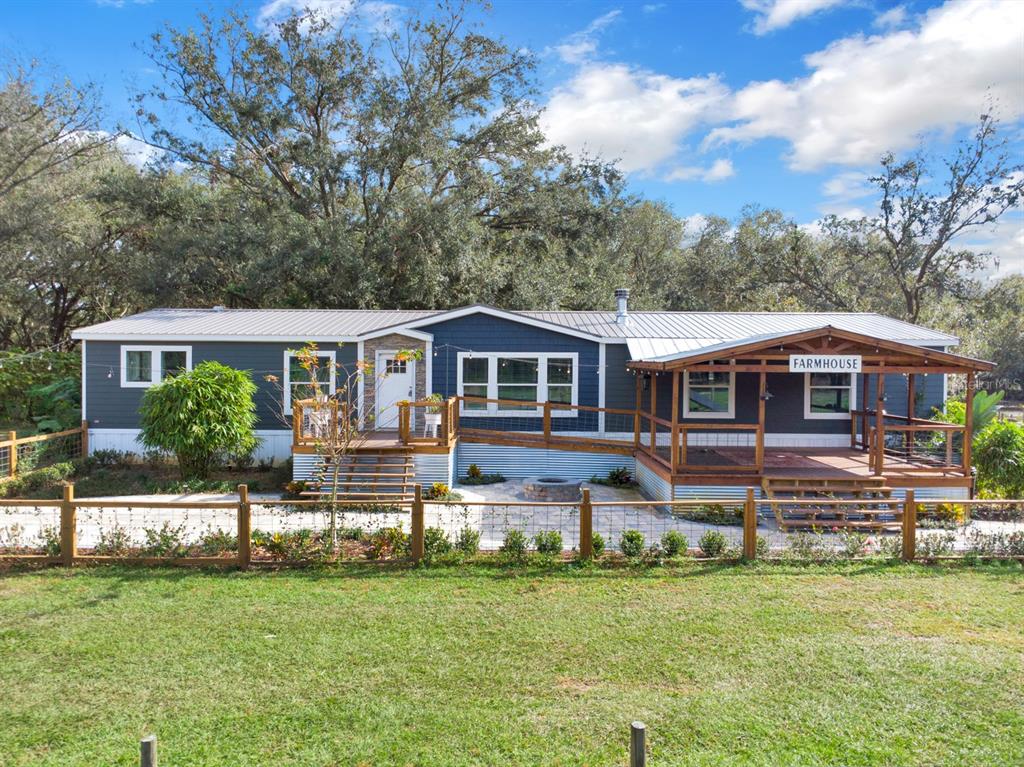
x: 551, y: 489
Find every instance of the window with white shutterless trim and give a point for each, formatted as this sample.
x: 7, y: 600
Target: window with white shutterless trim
x: 514, y: 376
x: 829, y: 396
x: 709, y: 394
x: 145, y: 366
x: 298, y: 381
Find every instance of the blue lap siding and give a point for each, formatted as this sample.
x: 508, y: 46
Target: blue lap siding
x: 109, y: 406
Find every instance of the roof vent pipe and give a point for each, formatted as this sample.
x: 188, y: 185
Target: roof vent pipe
x: 220, y: 308
x: 622, y: 308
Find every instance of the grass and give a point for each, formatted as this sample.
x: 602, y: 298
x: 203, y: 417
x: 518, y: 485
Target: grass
x: 758, y: 665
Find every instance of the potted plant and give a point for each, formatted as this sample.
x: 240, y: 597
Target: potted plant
x: 432, y: 416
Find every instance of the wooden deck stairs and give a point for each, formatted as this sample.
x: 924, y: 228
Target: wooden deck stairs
x: 876, y: 511
x: 374, y: 476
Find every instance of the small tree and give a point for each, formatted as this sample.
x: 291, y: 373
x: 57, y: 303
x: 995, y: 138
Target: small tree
x: 200, y: 416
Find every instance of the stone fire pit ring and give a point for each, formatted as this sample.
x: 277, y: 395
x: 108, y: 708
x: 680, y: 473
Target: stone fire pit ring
x: 552, y: 489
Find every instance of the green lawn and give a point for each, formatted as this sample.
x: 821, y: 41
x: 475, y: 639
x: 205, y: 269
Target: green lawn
x: 727, y: 665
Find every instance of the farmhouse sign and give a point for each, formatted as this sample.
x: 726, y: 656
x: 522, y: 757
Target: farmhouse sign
x: 824, y: 363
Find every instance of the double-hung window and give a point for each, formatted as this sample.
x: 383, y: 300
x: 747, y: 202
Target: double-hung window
x: 144, y: 366
x: 709, y: 395
x: 299, y: 383
x: 828, y: 395
x: 517, y: 377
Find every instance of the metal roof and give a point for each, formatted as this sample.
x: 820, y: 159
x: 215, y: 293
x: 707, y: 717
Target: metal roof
x: 649, y: 334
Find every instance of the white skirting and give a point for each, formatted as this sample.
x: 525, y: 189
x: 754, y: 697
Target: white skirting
x: 276, y: 444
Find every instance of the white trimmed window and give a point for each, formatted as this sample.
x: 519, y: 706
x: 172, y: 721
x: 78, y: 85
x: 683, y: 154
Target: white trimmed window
x: 709, y: 395
x: 298, y: 383
x: 829, y: 395
x: 145, y: 366
x: 528, y: 378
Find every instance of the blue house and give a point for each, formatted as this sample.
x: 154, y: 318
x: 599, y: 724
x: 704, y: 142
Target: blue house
x: 693, y: 403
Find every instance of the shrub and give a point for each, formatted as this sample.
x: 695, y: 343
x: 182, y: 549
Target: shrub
x: 482, y: 479
x: 467, y: 542
x: 932, y: 545
x: 853, y: 543
x: 674, y: 543
x: 598, y: 545
x: 435, y: 543
x: 714, y: 514
x: 548, y: 542
x: 619, y: 477
x: 631, y: 543
x: 165, y: 541
x: 113, y: 542
x: 712, y: 544
x: 807, y: 546
x: 439, y: 491
x: 290, y: 546
x: 473, y: 472
x: 999, y: 457
x: 49, y: 540
x: 761, y: 546
x: 514, y: 545
x: 200, y: 416
x: 390, y: 542
x: 890, y: 546
x: 216, y: 542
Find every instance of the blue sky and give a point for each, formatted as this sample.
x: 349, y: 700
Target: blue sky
x: 710, y: 105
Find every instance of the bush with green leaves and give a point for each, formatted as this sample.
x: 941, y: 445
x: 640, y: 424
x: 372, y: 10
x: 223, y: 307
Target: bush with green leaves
x: 761, y: 546
x: 674, y: 543
x: 114, y: 541
x: 435, y: 543
x: 49, y: 540
x: 216, y: 542
x: 548, y: 542
x: 201, y: 416
x: 514, y: 545
x: 999, y: 457
x: 467, y: 542
x: 390, y: 543
x: 712, y: 544
x: 631, y: 543
x: 598, y: 545
x: 165, y: 541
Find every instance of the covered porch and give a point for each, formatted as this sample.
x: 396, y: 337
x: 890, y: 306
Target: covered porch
x: 694, y: 428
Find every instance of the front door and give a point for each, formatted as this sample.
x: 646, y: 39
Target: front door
x: 396, y: 381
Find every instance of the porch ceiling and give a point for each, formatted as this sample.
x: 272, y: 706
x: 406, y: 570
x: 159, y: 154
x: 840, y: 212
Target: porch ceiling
x: 879, y: 355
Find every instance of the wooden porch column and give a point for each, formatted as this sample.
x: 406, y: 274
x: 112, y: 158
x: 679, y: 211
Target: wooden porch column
x: 762, y: 390
x: 864, y: 413
x: 636, y: 412
x: 879, y: 455
x: 673, y: 454
x: 968, y: 423
x: 908, y: 436
x: 654, y: 413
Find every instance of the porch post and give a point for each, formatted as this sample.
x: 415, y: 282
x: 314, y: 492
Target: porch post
x: 968, y: 423
x: 673, y: 455
x: 880, y: 422
x: 908, y: 437
x: 636, y: 412
x: 762, y: 389
x: 864, y: 412
x: 654, y: 411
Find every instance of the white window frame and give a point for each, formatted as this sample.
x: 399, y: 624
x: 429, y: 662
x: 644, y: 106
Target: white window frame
x: 828, y: 416
x: 730, y: 413
x: 542, y: 358
x: 156, y: 369
x: 287, y: 377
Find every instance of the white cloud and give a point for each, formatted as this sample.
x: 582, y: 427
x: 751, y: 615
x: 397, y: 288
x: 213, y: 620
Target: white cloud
x: 778, y: 14
x: 137, y: 152
x: 1005, y: 241
x: 653, y: 7
x: 892, y: 18
x: 120, y: 3
x: 330, y: 10
x: 582, y: 45
x: 867, y: 95
x: 631, y: 114
x: 718, y: 171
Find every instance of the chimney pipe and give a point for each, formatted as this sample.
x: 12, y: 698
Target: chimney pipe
x: 622, y: 308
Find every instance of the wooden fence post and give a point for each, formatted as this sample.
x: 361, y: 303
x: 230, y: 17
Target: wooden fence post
x: 750, y: 526
x: 417, y: 523
x: 638, y: 744
x: 12, y: 463
x: 586, y: 526
x: 244, y: 528
x: 147, y: 751
x: 909, y: 527
x: 85, y: 438
x: 68, y: 531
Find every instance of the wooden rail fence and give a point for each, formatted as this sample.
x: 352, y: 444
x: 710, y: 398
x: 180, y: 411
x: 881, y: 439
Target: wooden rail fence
x: 12, y: 449
x: 905, y: 516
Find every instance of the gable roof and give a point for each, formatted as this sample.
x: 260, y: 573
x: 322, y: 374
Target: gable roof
x: 649, y: 334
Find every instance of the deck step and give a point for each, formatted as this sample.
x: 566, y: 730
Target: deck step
x: 371, y: 474
x: 876, y: 510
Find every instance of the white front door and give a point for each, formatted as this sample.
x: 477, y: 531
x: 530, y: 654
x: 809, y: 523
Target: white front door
x: 396, y: 381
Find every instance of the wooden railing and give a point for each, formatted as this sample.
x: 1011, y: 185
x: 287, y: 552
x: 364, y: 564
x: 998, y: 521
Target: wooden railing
x: 923, y: 445
x: 329, y: 421
x: 428, y: 422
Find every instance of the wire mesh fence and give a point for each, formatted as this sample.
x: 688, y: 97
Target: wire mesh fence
x: 21, y: 455
x: 977, y: 528
x: 548, y: 528
x: 304, y: 531
x: 702, y: 528
x: 154, y: 530
x: 29, y: 528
